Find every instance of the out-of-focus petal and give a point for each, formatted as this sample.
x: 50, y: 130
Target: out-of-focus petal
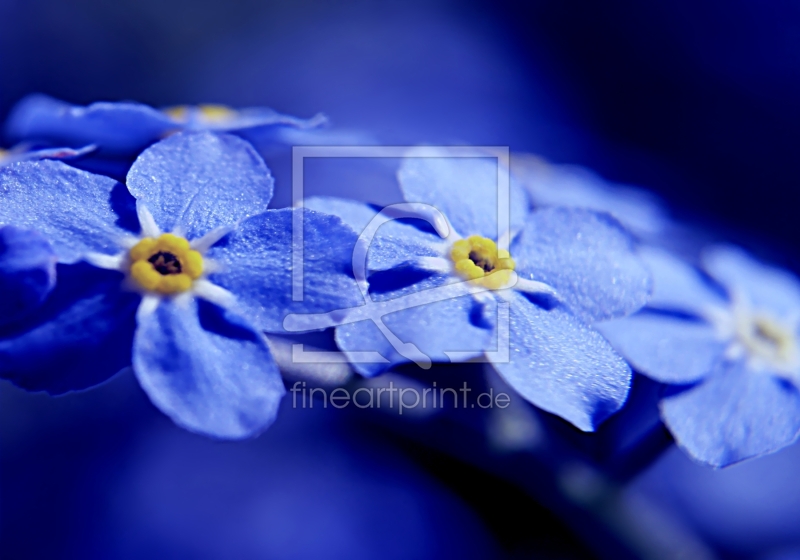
x: 763, y: 286
x: 566, y: 185
x: 677, y: 285
x: 734, y: 414
x: 116, y: 128
x: 20, y: 153
x: 223, y: 119
x: 465, y: 189
x: 27, y: 272
x: 78, y: 338
x: 665, y: 348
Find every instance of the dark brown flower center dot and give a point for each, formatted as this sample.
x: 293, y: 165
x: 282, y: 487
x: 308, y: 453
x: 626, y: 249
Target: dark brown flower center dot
x: 481, y: 261
x: 769, y: 335
x: 165, y: 263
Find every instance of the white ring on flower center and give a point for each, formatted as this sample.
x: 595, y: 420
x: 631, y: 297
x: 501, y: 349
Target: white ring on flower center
x: 767, y: 343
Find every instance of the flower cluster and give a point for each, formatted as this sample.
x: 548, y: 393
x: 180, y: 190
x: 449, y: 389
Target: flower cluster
x: 726, y: 338
x: 564, y: 269
x: 181, y: 270
x: 721, y: 331
x: 127, y: 128
x: 178, y: 273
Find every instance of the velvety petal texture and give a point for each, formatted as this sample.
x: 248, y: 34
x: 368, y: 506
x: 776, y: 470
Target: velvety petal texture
x: 735, y: 414
x: 207, y: 370
x: 196, y: 182
x: 396, y: 242
x: 74, y: 210
x: 666, y: 348
x: 562, y: 366
x: 355, y: 214
x: 763, y: 286
x: 78, y: 338
x: 27, y: 272
x: 465, y: 189
x: 587, y: 257
x: 116, y: 128
x: 257, y: 266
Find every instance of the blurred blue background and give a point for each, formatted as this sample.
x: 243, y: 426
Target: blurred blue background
x: 695, y: 100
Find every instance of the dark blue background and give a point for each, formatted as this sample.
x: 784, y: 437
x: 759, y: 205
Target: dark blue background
x: 697, y: 100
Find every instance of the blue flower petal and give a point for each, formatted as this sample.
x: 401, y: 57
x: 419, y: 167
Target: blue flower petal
x: 27, y: 272
x: 76, y: 211
x: 355, y: 214
x: 459, y: 324
x: 577, y: 187
x: 587, y: 257
x: 196, y: 182
x: 395, y: 243
x: 207, y: 370
x: 313, y: 133
x: 665, y: 348
x: 257, y: 266
x: 78, y: 338
x: 246, y: 120
x: 677, y: 285
x: 762, y: 285
x: 733, y: 415
x: 116, y: 128
x: 465, y: 190
x: 20, y: 153
x: 562, y: 366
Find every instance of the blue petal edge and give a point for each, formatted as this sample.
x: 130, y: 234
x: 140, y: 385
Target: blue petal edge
x: 587, y: 257
x: 561, y: 365
x: 194, y: 183
x: 207, y: 369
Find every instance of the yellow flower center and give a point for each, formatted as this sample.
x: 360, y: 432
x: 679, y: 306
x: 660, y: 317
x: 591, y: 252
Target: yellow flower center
x: 166, y: 265
x: 767, y: 338
x: 207, y: 113
x: 178, y: 113
x: 217, y: 113
x: 477, y: 258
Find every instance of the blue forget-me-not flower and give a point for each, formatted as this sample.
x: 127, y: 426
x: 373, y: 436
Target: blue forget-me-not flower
x: 727, y: 339
x: 177, y: 274
x: 564, y: 269
x: 127, y: 128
